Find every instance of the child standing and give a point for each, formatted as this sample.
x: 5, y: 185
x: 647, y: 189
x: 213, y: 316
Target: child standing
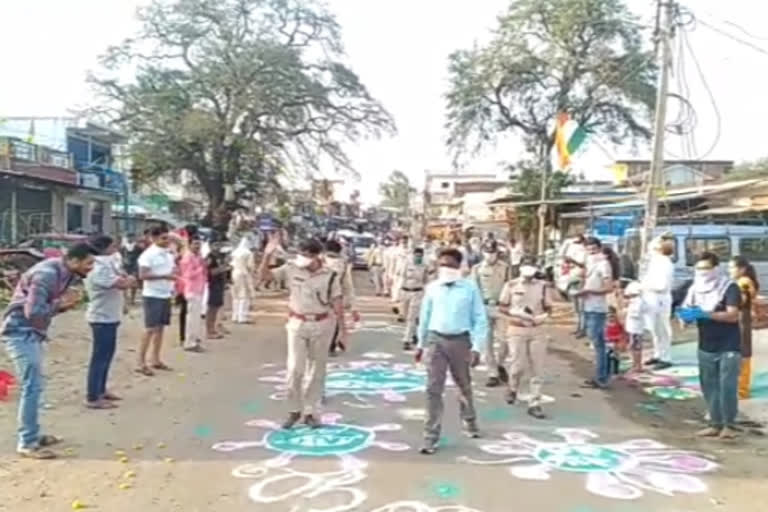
x: 633, y: 323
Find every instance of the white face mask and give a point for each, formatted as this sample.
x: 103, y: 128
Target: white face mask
x: 448, y: 274
x: 302, y: 261
x: 706, y: 276
x: 528, y: 271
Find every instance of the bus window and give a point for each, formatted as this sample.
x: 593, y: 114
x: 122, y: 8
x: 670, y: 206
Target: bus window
x: 754, y: 249
x: 721, y: 247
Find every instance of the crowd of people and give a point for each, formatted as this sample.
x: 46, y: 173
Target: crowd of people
x: 460, y: 303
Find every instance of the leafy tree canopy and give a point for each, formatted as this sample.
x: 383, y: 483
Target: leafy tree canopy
x: 236, y: 91
x: 583, y: 57
x: 396, y: 191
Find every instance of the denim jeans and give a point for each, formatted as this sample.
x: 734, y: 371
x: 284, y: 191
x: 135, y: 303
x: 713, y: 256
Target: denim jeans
x: 25, y: 348
x: 595, y: 324
x: 719, y: 378
x: 104, y: 341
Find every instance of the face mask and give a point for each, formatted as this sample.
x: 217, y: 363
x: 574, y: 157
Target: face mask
x: 491, y: 257
x: 528, y: 271
x: 302, y: 261
x: 448, y: 274
x: 418, y: 259
x: 706, y: 276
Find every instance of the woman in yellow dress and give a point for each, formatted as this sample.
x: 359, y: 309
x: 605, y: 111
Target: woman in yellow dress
x: 744, y: 274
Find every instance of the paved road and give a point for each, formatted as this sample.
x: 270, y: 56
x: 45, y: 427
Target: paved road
x: 204, y: 438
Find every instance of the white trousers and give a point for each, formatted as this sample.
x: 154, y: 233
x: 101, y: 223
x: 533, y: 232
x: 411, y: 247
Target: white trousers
x: 240, y: 310
x: 657, y: 312
x: 194, y: 329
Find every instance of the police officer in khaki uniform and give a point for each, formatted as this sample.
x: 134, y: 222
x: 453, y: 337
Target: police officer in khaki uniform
x: 412, y: 275
x: 491, y: 274
x: 315, y: 303
x: 524, y: 301
x: 334, y: 260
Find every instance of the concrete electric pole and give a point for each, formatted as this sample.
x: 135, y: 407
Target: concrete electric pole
x: 666, y: 10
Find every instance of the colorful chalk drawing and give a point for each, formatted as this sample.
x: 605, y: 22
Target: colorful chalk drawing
x: 380, y: 327
x: 361, y: 380
x: 620, y: 471
x: 275, y: 481
x: 672, y: 393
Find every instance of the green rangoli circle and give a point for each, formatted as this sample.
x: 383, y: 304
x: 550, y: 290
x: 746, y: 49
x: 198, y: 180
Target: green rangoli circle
x: 374, y: 380
x: 325, y: 441
x: 582, y: 458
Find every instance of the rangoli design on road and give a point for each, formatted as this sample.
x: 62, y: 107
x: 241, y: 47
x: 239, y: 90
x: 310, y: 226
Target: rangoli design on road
x: 621, y: 471
x: 275, y: 481
x: 376, y: 377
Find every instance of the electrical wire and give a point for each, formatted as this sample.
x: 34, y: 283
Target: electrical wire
x: 734, y: 38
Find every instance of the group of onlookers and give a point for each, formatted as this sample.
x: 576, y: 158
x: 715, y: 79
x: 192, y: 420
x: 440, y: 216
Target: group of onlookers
x: 720, y: 304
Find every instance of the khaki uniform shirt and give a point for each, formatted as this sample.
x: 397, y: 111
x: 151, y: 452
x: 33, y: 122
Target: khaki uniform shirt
x: 413, y: 276
x: 375, y: 257
x: 490, y: 279
x: 518, y: 295
x: 310, y: 293
x: 344, y: 275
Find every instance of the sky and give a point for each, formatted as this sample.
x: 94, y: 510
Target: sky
x: 400, y: 50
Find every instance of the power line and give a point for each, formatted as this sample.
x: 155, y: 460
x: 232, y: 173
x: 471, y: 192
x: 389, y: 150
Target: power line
x: 734, y: 38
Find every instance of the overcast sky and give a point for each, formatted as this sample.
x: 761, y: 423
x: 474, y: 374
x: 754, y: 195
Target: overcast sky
x: 400, y: 49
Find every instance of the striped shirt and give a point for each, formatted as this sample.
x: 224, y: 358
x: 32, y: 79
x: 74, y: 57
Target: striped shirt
x: 36, y: 297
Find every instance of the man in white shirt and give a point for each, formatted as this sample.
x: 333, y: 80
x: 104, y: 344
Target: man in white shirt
x: 656, y: 284
x: 157, y: 269
x: 516, y: 253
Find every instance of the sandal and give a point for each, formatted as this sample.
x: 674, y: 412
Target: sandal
x: 144, y: 370
x: 162, y: 366
x: 100, y: 404
x: 48, y: 440
x: 109, y: 396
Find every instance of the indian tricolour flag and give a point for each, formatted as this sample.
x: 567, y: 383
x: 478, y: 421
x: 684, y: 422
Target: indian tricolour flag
x: 569, y: 138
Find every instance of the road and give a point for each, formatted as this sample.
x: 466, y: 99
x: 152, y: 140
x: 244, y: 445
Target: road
x: 203, y: 438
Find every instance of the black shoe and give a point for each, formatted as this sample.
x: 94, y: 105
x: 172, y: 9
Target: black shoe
x: 537, y: 413
x: 312, y: 422
x: 470, y: 429
x: 400, y: 320
x: 292, y: 419
x: 396, y: 310
x: 511, y: 397
x: 428, y: 449
x: 493, y: 382
x: 662, y: 365
x: 652, y: 362
x: 503, y: 375
x: 407, y: 346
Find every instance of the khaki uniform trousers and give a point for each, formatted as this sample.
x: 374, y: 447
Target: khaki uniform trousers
x: 496, y: 325
x: 377, y: 276
x: 528, y: 351
x: 308, y: 346
x: 410, y: 306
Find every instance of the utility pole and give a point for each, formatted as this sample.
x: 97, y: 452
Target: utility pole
x: 666, y: 13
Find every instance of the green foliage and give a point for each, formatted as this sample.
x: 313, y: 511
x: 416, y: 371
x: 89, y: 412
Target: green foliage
x: 396, y: 191
x: 749, y: 170
x: 237, y: 91
x: 585, y: 57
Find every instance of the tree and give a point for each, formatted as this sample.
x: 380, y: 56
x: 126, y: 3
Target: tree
x: 750, y: 170
x: 237, y: 91
x: 397, y: 191
x: 583, y: 57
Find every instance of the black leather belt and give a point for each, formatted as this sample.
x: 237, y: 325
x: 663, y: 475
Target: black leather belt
x: 413, y: 289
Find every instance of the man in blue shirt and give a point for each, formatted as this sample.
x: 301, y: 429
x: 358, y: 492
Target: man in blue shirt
x: 453, y: 329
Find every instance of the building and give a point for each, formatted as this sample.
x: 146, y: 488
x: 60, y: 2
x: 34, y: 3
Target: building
x: 462, y: 197
x: 75, y: 166
x: 713, y: 169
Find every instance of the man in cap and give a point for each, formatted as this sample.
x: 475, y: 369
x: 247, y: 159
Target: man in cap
x: 412, y: 275
x: 524, y: 301
x: 491, y: 274
x: 315, y: 304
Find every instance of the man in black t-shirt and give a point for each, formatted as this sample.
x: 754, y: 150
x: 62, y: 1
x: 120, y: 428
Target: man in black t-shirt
x: 713, y: 302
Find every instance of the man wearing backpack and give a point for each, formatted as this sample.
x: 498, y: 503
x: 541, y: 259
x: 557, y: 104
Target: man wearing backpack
x: 315, y: 303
